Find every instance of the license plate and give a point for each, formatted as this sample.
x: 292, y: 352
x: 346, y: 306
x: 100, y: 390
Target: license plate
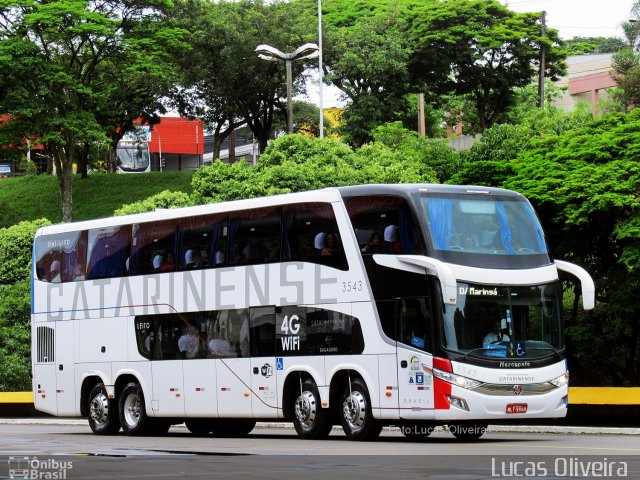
x: 517, y: 408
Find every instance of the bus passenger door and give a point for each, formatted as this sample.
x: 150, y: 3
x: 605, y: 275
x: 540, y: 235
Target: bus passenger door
x: 233, y: 370
x: 264, y: 399
x: 166, y: 371
x: 65, y: 368
x: 415, y: 382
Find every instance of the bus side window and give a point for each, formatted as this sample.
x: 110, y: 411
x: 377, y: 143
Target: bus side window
x: 153, y: 247
x: 203, y: 242
x: 311, y: 235
x: 61, y: 258
x: 255, y: 236
x: 383, y: 224
x: 263, y: 326
x: 108, y: 251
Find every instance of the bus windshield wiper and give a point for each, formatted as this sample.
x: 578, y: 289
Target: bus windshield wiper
x: 472, y: 353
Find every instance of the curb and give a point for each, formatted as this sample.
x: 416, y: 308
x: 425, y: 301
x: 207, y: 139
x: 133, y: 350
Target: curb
x: 541, y: 429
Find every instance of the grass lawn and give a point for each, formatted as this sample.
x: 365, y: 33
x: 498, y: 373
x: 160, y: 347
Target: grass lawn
x: 32, y: 197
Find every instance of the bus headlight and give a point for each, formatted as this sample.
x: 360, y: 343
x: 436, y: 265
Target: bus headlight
x: 561, y: 381
x: 454, y: 379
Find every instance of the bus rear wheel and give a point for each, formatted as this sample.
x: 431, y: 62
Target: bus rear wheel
x: 133, y: 415
x: 468, y: 431
x: 355, y: 413
x: 310, y: 420
x: 103, y: 412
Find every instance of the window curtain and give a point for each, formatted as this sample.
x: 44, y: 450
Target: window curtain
x: 505, y: 231
x: 407, y: 230
x: 441, y: 221
x: 537, y: 232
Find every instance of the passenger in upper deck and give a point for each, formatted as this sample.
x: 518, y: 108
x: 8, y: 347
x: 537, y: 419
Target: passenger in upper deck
x: 391, y: 242
x: 169, y: 265
x: 375, y: 244
x: 330, y: 245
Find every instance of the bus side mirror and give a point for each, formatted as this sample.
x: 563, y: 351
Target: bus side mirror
x: 586, y: 282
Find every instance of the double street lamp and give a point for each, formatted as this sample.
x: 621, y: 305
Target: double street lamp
x: 308, y: 50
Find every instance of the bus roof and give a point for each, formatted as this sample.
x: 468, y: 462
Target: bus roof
x: 410, y: 188
x: 330, y: 194
x: 324, y: 195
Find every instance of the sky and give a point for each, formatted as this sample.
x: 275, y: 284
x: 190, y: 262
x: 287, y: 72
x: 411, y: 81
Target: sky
x: 579, y: 18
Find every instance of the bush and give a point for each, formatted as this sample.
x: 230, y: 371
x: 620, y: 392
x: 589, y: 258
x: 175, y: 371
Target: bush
x: 15, y: 338
x: 165, y: 199
x: 15, y: 250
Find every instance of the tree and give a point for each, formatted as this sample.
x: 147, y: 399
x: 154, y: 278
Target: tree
x: 584, y: 185
x: 626, y: 73
x: 225, y: 82
x: 69, y: 67
x: 369, y: 64
x: 481, y: 48
x: 586, y: 45
x: 306, y: 119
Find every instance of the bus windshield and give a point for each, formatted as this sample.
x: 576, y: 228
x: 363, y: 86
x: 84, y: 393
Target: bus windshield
x: 504, y: 322
x: 133, y: 156
x: 490, y: 232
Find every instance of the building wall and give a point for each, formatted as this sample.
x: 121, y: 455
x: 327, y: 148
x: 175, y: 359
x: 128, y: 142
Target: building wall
x: 588, y: 80
x: 180, y: 141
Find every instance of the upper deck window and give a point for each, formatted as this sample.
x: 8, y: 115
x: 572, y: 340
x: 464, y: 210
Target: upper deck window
x: 61, y: 257
x: 383, y: 224
x: 469, y: 230
x: 109, y: 252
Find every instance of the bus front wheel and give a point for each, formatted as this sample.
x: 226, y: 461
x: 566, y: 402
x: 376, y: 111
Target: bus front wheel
x: 103, y: 412
x: 310, y: 420
x: 355, y: 413
x: 133, y: 415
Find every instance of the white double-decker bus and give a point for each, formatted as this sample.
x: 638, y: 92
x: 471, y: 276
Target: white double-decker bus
x: 408, y: 305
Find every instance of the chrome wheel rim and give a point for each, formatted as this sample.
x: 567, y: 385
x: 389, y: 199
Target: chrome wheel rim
x: 131, y: 409
x: 305, y: 409
x: 354, y: 410
x: 99, y: 409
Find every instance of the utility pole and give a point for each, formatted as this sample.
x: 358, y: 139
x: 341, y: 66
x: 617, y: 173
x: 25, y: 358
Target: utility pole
x: 542, y: 63
x: 421, y: 125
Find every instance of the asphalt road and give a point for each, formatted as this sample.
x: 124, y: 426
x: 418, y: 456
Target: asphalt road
x: 70, y: 450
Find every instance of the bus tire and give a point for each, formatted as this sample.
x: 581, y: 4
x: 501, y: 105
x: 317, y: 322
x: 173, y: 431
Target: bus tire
x: 199, y: 426
x: 103, y: 412
x: 355, y: 413
x: 467, y: 431
x: 229, y: 428
x: 132, y: 409
x: 310, y: 420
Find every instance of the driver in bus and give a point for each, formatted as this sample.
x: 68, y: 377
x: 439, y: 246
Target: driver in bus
x: 496, y: 335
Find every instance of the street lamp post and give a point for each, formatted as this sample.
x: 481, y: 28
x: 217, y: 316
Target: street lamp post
x: 266, y: 52
x: 159, y: 148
